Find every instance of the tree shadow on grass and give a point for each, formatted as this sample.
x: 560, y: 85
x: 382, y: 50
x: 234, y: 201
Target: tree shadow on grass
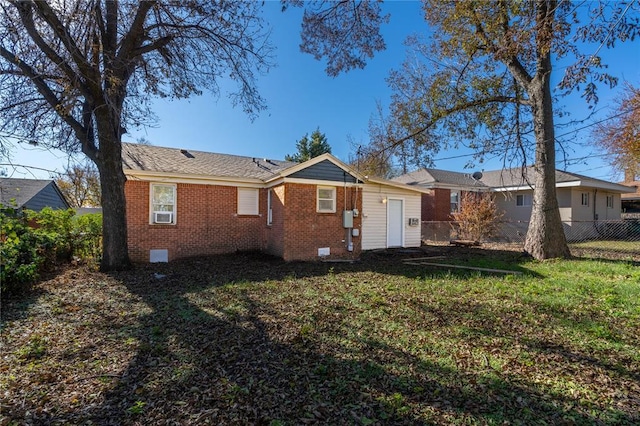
x: 211, y: 357
x: 15, y: 306
x: 488, y: 260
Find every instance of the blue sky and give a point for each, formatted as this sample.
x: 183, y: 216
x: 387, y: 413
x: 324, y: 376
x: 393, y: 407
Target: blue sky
x: 301, y: 98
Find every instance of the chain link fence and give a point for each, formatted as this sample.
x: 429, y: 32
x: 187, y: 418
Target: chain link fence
x: 611, y: 239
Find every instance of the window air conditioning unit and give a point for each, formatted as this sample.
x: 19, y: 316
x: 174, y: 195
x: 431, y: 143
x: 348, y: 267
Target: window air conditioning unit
x: 414, y: 221
x: 162, y: 217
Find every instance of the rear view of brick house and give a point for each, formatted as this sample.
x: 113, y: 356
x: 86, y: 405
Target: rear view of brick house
x: 184, y: 203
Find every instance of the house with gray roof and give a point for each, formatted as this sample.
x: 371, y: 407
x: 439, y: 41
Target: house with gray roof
x: 444, y: 190
x: 185, y: 203
x: 580, y: 198
x: 31, y: 194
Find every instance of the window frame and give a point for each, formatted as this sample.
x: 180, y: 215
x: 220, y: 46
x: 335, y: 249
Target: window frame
x: 269, y: 207
x: 332, y: 199
x: 527, y: 200
x: 584, y: 199
x: 457, y: 202
x: 609, y: 201
x: 173, y: 211
x: 255, y: 211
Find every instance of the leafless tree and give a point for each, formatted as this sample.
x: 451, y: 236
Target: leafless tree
x: 75, y: 74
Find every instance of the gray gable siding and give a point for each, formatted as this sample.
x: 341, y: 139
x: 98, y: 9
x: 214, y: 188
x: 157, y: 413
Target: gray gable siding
x: 324, y: 170
x: 47, y: 197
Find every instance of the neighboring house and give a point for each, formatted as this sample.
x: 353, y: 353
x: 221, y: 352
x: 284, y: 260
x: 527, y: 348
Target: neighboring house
x: 31, y: 194
x: 580, y: 198
x: 183, y: 203
x: 445, y: 190
x: 631, y: 201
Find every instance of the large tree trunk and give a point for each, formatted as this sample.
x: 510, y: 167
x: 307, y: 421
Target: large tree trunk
x: 115, y: 250
x: 545, y: 236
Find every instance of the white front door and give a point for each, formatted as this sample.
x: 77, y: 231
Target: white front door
x: 395, y: 223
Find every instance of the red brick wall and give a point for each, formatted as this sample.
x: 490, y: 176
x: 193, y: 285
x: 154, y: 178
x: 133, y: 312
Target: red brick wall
x: 428, y: 202
x: 206, y: 222
x: 307, y: 230
x: 275, y: 232
x: 436, y: 206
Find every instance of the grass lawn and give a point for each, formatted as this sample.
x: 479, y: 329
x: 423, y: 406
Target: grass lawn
x: 252, y: 340
x: 630, y: 249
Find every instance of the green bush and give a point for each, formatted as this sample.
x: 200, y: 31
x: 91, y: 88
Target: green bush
x: 87, y: 237
x: 20, y: 260
x: 34, y: 241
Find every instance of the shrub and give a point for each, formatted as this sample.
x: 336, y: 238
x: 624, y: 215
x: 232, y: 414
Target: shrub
x: 34, y: 241
x: 87, y: 237
x: 57, y: 226
x: 19, y: 258
x: 478, y: 218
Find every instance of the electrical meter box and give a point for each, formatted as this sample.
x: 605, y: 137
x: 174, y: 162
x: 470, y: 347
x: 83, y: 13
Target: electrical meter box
x: 347, y: 218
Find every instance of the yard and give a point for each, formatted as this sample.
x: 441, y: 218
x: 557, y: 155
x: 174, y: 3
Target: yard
x: 248, y: 339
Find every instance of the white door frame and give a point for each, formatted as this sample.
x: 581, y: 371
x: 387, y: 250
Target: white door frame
x: 402, y: 203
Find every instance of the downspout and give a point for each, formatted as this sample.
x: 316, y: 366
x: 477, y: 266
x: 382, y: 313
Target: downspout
x: 595, y: 215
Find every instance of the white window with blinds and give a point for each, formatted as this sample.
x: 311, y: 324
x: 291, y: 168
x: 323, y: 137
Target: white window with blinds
x: 248, y: 201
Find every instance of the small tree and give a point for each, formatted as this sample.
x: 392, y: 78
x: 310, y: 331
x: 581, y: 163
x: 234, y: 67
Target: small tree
x: 479, y: 217
x: 620, y: 134
x: 80, y: 185
x: 310, y: 148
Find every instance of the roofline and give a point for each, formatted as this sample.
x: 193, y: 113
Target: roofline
x: 589, y: 183
x: 315, y: 160
x: 49, y: 182
x: 55, y: 187
x: 601, y: 184
x: 189, y: 177
x: 442, y: 185
x: 399, y: 185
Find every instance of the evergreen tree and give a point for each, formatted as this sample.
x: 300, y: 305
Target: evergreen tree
x: 309, y: 148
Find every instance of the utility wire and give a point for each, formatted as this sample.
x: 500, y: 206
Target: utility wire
x: 558, y: 141
x: 611, y: 31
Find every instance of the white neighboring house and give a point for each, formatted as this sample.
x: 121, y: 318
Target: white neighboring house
x: 582, y: 200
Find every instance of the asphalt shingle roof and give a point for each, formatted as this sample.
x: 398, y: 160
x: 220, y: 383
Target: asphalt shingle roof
x: 183, y: 161
x: 432, y: 176
x: 524, y: 177
x: 22, y: 190
x: 515, y: 177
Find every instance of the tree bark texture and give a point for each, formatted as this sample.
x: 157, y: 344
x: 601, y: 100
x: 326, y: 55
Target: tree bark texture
x: 108, y: 159
x: 545, y: 236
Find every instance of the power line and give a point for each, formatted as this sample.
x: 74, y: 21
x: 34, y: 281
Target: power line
x: 597, y: 122
x: 558, y: 141
x: 610, y: 31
